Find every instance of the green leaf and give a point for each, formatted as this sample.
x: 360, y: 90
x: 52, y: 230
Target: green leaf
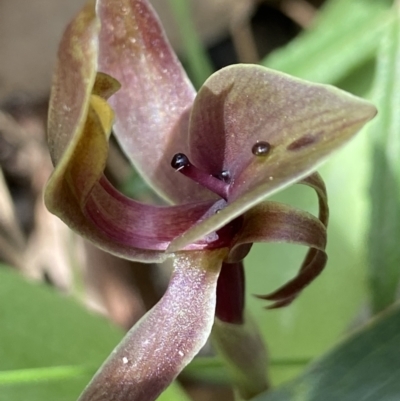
x: 212, y: 370
x: 384, y: 234
x: 50, y: 345
x: 40, y: 328
x: 364, y: 367
x: 63, y: 383
x: 345, y: 35
x: 37, y: 375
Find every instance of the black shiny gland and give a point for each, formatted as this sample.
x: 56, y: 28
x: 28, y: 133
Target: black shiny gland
x: 179, y: 161
x: 261, y: 148
x: 224, y: 176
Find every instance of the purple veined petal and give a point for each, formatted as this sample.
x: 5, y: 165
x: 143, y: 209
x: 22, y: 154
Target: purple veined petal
x: 69, y: 111
x: 78, y: 193
x: 153, y: 105
x: 315, y: 260
x: 242, y: 105
x: 123, y: 226
x: 316, y: 182
x: 276, y: 222
x: 127, y: 222
x: 75, y: 218
x: 167, y: 338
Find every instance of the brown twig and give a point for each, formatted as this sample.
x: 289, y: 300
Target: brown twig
x: 300, y: 11
x: 240, y: 28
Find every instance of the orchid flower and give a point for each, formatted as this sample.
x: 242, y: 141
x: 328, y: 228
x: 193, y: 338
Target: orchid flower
x: 215, y: 157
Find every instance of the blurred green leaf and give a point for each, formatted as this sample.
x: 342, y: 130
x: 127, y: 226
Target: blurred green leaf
x: 208, y: 370
x: 212, y: 370
x: 50, y: 345
x: 384, y: 249
x: 359, y: 81
x: 196, y: 58
x: 41, y: 328
x: 66, y: 389
x: 345, y: 35
x: 364, y: 367
x: 38, y: 375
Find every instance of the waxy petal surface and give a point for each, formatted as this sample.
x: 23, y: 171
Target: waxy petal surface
x: 241, y: 105
x: 152, y: 108
x: 167, y: 338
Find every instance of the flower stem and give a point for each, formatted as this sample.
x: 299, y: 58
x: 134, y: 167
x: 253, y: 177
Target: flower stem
x: 242, y: 349
x: 230, y: 293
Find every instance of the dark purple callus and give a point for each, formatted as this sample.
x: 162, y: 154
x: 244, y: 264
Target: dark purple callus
x: 217, y: 184
x: 261, y: 148
x: 179, y: 160
x: 224, y: 176
x: 231, y: 293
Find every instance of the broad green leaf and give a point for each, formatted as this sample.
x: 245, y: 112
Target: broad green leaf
x: 364, y: 367
x: 384, y: 232
x: 345, y: 35
x: 50, y: 345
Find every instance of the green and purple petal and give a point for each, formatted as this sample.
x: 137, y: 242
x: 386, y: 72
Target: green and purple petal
x: 80, y: 122
x: 275, y: 222
x: 76, y: 68
x: 244, y: 105
x: 279, y: 223
x: 167, y: 338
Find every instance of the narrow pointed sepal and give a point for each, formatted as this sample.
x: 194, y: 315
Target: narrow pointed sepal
x: 167, y: 338
x: 244, y: 353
